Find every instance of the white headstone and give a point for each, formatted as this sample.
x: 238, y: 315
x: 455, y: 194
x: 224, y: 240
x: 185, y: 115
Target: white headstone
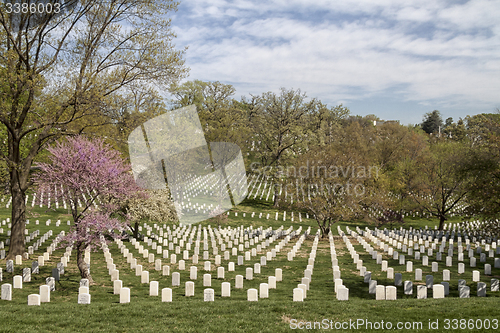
x: 209, y: 295
x: 446, y: 275
x: 145, y: 277
x: 264, y: 290
x: 207, y: 280
x: 249, y: 273
x: 390, y: 273
x: 298, y: 295
x: 166, y: 295
x: 189, y: 288
x: 380, y: 292
x: 239, y: 282
x: 252, y: 295
x: 304, y: 289
x: 18, y: 282
x: 421, y: 292
x: 343, y: 293
x: 226, y: 289
x: 438, y: 291
x: 278, y: 273
x: 176, y: 279
x: 6, y: 293
x: 125, y: 295
x: 117, y: 286
x: 193, y: 273
x: 153, y: 288
x: 34, y: 299
x: 271, y: 281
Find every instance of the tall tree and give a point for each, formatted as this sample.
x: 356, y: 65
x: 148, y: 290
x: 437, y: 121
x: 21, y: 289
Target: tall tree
x: 223, y: 118
x: 441, y: 186
x: 224, y: 123
x: 57, y: 77
x: 335, y: 182
x: 324, y: 123
x: 455, y: 131
x: 399, y: 151
x: 483, y: 163
x: 128, y: 111
x: 91, y: 174
x: 482, y: 127
x: 433, y: 122
x: 279, y: 124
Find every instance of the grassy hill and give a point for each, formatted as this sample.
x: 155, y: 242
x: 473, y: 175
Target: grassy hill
x: 278, y: 313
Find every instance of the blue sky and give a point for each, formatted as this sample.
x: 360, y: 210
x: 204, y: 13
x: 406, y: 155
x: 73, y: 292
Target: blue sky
x: 395, y: 59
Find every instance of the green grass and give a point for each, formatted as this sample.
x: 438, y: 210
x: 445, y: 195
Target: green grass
x: 234, y: 314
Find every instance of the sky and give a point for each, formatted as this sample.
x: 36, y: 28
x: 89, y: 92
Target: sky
x: 395, y: 59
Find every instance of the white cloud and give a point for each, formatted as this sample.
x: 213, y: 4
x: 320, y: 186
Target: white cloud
x: 438, y: 53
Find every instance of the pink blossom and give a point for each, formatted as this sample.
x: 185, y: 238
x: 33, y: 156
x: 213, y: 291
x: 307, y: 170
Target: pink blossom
x: 94, y: 173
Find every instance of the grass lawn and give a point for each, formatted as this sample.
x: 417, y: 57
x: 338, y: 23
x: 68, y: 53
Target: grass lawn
x: 235, y: 314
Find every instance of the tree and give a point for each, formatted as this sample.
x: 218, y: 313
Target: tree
x: 441, y: 186
x: 483, y: 164
x: 157, y: 206
x: 432, y: 122
x: 455, y: 131
x: 400, y: 150
x: 336, y: 181
x: 60, y: 76
x: 223, y: 119
x: 94, y: 176
x: 481, y: 128
x: 324, y: 122
x: 279, y: 124
x: 128, y: 111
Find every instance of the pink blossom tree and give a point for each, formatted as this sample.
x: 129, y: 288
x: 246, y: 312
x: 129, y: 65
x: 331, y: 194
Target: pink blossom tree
x: 94, y: 179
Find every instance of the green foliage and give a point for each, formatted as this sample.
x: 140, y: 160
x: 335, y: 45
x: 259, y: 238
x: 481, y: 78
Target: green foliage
x: 455, y: 131
x: 223, y: 119
x: 64, y: 83
x: 483, y: 164
x: 440, y: 186
x: 432, y: 122
x: 338, y: 181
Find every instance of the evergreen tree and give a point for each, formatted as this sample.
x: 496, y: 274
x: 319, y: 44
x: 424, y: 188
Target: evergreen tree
x: 432, y: 122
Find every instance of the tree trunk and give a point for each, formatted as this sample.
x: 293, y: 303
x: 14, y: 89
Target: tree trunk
x: 18, y: 217
x: 82, y: 265
x: 442, y: 218
x: 136, y: 230
x: 276, y: 199
x: 325, y: 228
x: 324, y: 232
